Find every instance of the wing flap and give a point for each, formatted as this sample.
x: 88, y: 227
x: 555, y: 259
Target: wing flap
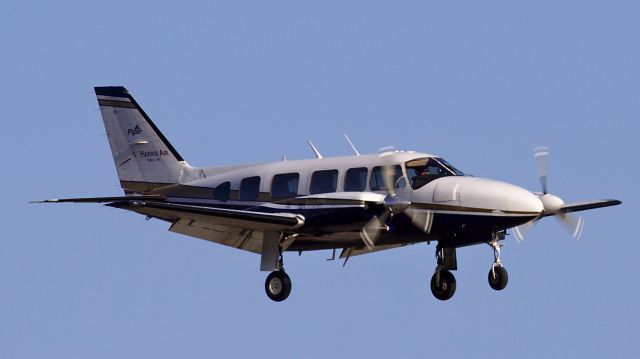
x: 240, y: 238
x: 352, y: 252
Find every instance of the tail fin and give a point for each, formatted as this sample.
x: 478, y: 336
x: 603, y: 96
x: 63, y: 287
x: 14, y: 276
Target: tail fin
x: 144, y: 158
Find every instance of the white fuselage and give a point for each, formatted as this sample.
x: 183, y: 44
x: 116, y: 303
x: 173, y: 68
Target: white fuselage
x: 458, y: 203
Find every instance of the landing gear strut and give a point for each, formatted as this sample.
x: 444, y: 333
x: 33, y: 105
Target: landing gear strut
x: 278, y: 283
x: 443, y: 283
x: 498, y: 276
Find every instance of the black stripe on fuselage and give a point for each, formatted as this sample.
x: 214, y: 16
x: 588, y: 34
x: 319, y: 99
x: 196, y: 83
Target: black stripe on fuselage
x: 444, y: 207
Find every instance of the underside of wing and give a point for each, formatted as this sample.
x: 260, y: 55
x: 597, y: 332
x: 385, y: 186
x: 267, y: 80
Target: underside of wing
x: 235, y: 228
x: 351, y: 252
x: 250, y: 220
x: 241, y: 238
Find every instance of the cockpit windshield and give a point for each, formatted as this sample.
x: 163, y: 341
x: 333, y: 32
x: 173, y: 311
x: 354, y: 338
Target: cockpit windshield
x: 424, y: 170
x: 456, y: 171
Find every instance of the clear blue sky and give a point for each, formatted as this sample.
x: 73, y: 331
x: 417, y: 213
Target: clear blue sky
x: 480, y: 83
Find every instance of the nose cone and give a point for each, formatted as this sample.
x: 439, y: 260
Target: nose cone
x: 499, y: 196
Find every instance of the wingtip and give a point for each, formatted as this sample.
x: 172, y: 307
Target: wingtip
x: 46, y: 201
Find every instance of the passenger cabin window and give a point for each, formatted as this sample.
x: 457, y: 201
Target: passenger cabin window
x: 250, y: 188
x: 377, y: 178
x: 324, y: 181
x: 355, y: 179
x: 285, y: 185
x: 221, y: 193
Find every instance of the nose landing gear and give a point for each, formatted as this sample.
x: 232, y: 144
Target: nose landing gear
x: 498, y: 276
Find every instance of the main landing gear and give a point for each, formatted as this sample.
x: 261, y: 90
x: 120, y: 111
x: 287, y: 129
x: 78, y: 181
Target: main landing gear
x: 278, y: 283
x: 443, y: 283
x: 278, y: 286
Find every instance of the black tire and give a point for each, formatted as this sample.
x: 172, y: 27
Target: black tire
x: 447, y: 286
x: 278, y: 286
x: 500, y: 279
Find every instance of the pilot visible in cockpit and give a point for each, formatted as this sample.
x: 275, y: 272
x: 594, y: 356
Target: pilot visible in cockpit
x: 421, y: 178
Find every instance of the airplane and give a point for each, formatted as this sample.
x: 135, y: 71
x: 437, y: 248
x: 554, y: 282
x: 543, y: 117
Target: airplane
x: 359, y: 204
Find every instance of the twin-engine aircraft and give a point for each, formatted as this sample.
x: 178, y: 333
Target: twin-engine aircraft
x: 359, y: 204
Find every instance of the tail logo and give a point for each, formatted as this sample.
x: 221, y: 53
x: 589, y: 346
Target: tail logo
x: 134, y: 131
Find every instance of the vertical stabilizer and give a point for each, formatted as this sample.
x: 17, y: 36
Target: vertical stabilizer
x: 144, y: 158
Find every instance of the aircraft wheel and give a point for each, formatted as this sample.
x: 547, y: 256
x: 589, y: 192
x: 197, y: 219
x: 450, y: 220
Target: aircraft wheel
x: 278, y: 286
x: 498, y: 277
x: 447, y: 286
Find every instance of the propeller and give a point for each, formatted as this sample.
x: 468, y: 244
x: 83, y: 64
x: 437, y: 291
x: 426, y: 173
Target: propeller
x: 391, y: 205
x: 541, y: 157
x: 552, y: 204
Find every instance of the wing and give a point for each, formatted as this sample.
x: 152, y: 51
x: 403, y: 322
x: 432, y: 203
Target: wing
x: 101, y: 199
x: 583, y: 206
x: 257, y: 221
x: 240, y: 229
x: 236, y: 228
x: 150, y: 206
x: 245, y: 229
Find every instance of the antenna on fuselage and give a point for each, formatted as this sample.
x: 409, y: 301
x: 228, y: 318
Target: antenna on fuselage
x: 352, y: 146
x: 315, y: 150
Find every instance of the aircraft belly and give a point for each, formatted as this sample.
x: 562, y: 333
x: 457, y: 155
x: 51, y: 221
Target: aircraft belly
x: 460, y: 222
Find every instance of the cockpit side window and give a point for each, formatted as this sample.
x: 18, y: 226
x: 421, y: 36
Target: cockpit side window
x: 424, y: 170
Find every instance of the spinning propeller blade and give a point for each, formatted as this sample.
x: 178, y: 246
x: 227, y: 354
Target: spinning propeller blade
x: 421, y: 219
x: 541, y: 156
x: 521, y: 231
x: 371, y: 230
x: 392, y: 204
x: 388, y: 172
x: 572, y: 224
x: 552, y: 204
